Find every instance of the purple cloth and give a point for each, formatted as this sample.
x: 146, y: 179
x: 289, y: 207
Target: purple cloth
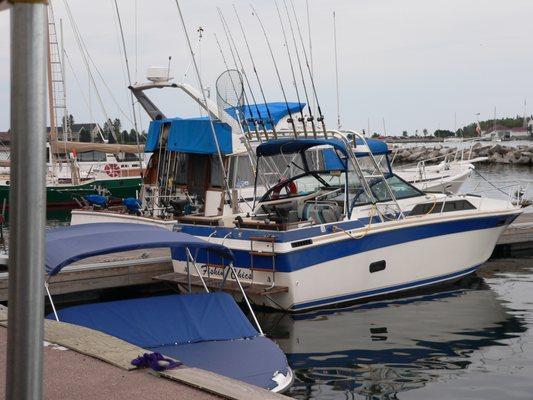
x: 151, y: 360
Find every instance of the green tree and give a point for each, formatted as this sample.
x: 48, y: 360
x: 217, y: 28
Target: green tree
x: 404, y: 133
x: 443, y: 133
x: 425, y: 132
x: 85, y: 136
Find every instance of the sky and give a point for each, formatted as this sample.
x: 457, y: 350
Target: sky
x: 409, y: 65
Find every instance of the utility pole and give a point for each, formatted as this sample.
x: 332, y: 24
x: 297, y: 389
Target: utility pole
x: 27, y: 199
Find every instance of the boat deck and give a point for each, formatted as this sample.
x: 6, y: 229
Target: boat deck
x: 251, y: 289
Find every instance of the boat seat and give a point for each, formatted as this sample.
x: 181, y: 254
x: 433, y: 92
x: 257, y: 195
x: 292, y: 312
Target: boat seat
x: 321, y: 212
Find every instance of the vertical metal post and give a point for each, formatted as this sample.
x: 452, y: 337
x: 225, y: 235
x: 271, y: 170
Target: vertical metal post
x: 27, y: 200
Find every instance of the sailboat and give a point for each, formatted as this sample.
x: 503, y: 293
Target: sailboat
x: 67, y: 184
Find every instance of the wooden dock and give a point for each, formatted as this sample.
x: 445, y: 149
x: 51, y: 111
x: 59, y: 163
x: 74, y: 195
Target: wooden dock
x: 119, y: 353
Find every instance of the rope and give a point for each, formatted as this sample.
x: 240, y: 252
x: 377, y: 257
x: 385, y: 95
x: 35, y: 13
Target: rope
x: 367, y: 228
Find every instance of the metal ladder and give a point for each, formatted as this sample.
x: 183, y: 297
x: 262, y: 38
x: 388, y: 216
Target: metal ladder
x: 268, y: 250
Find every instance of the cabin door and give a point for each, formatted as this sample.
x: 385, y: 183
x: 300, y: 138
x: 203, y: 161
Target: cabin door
x: 198, y: 176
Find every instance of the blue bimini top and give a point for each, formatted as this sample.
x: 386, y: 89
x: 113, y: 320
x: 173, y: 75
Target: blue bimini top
x: 69, y: 244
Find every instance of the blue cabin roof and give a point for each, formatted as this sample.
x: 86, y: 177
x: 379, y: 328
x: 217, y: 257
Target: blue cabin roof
x: 288, y: 146
x: 191, y: 135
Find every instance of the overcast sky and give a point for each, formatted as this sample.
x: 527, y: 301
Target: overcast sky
x: 413, y: 63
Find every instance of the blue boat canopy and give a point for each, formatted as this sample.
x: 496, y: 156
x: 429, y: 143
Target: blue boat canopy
x: 191, y: 135
x: 278, y: 110
x: 69, y: 244
x: 377, y: 147
x: 288, y: 146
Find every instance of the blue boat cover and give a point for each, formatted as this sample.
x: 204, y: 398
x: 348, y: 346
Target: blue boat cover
x: 158, y: 321
x: 278, y: 110
x: 377, y: 147
x: 251, y: 360
x: 192, y: 135
x: 207, y: 331
x: 288, y: 146
x: 69, y: 244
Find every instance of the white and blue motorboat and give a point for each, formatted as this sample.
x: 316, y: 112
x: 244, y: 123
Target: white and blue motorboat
x: 313, y: 218
x: 203, y: 330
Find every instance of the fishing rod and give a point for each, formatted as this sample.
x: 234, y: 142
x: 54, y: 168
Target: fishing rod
x: 270, y: 119
x: 301, y: 119
x: 236, y: 56
x: 320, y: 115
x: 310, y: 119
x: 290, y: 119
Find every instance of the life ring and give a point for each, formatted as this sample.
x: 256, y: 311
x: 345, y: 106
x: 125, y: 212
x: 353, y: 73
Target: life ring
x: 112, y: 170
x: 291, y: 189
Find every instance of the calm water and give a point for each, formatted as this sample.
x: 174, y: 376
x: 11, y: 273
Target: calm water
x: 460, y: 344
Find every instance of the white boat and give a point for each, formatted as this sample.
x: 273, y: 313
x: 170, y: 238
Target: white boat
x: 335, y: 224
x: 442, y: 177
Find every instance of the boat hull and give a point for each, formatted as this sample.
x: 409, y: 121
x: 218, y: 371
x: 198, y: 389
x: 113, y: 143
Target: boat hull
x: 64, y: 196
x: 380, y: 264
x: 336, y: 268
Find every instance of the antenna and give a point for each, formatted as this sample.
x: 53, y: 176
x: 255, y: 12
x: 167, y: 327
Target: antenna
x: 290, y: 119
x: 215, y: 138
x: 301, y: 119
x: 320, y: 115
x: 336, y: 72
x: 311, y: 119
x: 168, y: 68
x: 255, y: 73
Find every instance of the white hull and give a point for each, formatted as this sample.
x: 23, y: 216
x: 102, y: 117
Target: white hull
x: 409, y: 266
x: 342, y: 272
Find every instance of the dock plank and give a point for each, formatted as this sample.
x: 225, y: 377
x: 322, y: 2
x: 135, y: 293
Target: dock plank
x: 220, y: 385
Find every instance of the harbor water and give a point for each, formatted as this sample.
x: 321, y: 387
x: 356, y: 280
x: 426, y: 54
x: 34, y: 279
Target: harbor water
x: 473, y: 341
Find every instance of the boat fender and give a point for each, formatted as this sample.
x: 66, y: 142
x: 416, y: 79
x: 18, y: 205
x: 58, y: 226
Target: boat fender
x: 156, y: 361
x: 291, y: 188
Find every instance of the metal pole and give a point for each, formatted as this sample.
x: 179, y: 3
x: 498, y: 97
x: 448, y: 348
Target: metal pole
x: 27, y: 200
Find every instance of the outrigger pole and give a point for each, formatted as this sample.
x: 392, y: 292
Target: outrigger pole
x: 320, y: 115
x: 236, y: 56
x: 215, y: 138
x: 302, y: 118
x: 27, y: 199
x: 290, y: 119
x: 310, y: 119
x: 270, y: 119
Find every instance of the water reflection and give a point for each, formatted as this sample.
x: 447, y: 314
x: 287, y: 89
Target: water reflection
x: 377, y: 351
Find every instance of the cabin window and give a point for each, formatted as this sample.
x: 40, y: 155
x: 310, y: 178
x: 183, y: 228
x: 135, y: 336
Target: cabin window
x: 449, y: 206
x: 92, y: 156
x: 241, y: 172
x: 127, y: 157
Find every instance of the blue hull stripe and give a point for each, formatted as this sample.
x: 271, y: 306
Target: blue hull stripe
x: 387, y: 290
x: 305, y: 257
